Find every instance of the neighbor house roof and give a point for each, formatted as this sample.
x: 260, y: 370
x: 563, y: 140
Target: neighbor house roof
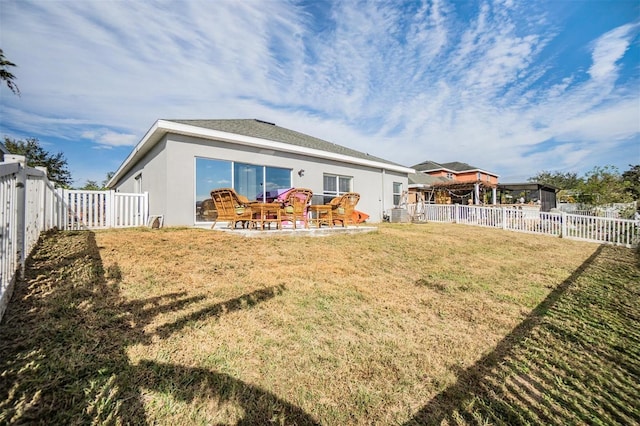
x: 421, y: 180
x: 524, y: 186
x: 256, y: 133
x: 454, y: 166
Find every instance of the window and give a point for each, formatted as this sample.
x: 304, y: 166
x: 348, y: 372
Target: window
x: 479, y: 176
x: 397, y: 193
x: 450, y: 176
x: 334, y: 186
x: 250, y: 180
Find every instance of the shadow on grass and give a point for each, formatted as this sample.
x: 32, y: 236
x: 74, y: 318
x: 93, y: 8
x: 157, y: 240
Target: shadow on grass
x: 574, y: 360
x: 63, y: 341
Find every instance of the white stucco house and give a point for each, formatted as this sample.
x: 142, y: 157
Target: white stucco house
x: 179, y: 162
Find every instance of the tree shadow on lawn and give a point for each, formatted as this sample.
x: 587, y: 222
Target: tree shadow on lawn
x: 63, y: 340
x: 574, y: 360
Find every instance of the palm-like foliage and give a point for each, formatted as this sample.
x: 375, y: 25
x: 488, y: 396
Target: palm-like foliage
x: 5, y: 75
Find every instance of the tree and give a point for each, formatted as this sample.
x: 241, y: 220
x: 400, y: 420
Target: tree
x: 631, y: 180
x: 56, y: 164
x: 560, y: 180
x: 107, y: 179
x: 603, y: 185
x: 6, y: 76
x: 92, y: 185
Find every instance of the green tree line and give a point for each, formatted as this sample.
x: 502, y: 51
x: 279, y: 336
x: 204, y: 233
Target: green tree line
x: 600, y: 185
x: 56, y: 164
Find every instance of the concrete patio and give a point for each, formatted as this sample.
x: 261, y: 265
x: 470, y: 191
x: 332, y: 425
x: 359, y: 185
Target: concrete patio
x: 299, y: 232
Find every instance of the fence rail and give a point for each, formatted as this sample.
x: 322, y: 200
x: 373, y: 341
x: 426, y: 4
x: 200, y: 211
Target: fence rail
x: 573, y: 226
x: 30, y: 204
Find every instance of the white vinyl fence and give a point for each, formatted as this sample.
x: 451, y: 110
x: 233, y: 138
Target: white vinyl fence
x: 29, y: 205
x: 574, y: 226
x: 103, y: 209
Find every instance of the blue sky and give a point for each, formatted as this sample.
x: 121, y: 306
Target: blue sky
x: 514, y: 87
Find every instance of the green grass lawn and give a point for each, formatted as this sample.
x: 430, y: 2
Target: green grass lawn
x: 412, y: 324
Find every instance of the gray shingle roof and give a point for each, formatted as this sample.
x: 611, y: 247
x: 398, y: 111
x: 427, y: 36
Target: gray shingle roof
x: 426, y: 166
x: 458, y: 166
x: 269, y: 131
x: 455, y: 166
x: 425, y: 179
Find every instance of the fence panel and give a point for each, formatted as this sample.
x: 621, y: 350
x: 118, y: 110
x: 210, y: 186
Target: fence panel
x: 9, y: 253
x: 29, y: 205
x: 130, y: 209
x: 26, y: 202
x: 521, y: 219
x: 439, y: 213
x: 603, y: 230
x: 104, y: 209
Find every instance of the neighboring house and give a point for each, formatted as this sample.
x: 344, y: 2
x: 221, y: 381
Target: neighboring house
x: 457, y: 172
x: 421, y: 187
x: 455, y: 182
x: 179, y: 162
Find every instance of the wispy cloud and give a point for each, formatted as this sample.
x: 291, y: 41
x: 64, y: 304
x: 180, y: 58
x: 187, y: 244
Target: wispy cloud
x: 108, y: 138
x: 439, y: 80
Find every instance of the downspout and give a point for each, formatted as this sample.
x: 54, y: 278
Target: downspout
x: 383, y: 197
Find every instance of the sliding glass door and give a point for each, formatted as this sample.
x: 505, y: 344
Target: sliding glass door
x: 253, y: 181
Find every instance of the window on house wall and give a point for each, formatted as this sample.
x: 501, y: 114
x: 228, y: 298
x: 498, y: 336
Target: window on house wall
x: 397, y: 193
x: 479, y: 176
x: 250, y: 180
x: 450, y: 176
x: 335, y: 185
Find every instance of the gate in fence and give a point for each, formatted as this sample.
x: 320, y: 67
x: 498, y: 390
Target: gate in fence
x: 103, y: 209
x: 29, y: 205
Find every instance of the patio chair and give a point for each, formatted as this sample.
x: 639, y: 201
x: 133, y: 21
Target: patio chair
x: 295, y: 206
x: 343, y: 207
x: 231, y: 207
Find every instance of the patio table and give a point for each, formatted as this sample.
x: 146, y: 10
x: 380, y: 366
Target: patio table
x: 321, y: 213
x: 265, y: 213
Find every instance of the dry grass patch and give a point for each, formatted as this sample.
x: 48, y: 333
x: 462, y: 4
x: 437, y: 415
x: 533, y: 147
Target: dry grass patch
x: 190, y: 326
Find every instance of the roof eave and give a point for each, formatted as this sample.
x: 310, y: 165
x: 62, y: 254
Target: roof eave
x: 162, y: 127
x: 459, y: 171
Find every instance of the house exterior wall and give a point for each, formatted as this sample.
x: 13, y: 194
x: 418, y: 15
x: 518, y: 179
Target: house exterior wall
x: 153, y: 169
x: 168, y: 173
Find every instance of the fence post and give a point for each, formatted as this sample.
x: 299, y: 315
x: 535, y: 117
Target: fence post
x: 110, y: 209
x: 504, y: 217
x: 456, y: 213
x: 563, y: 224
x: 21, y: 207
x: 61, y: 210
x: 145, y: 215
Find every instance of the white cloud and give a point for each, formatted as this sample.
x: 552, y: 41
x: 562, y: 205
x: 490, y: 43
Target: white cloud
x: 400, y: 81
x: 608, y: 50
x: 108, y: 138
